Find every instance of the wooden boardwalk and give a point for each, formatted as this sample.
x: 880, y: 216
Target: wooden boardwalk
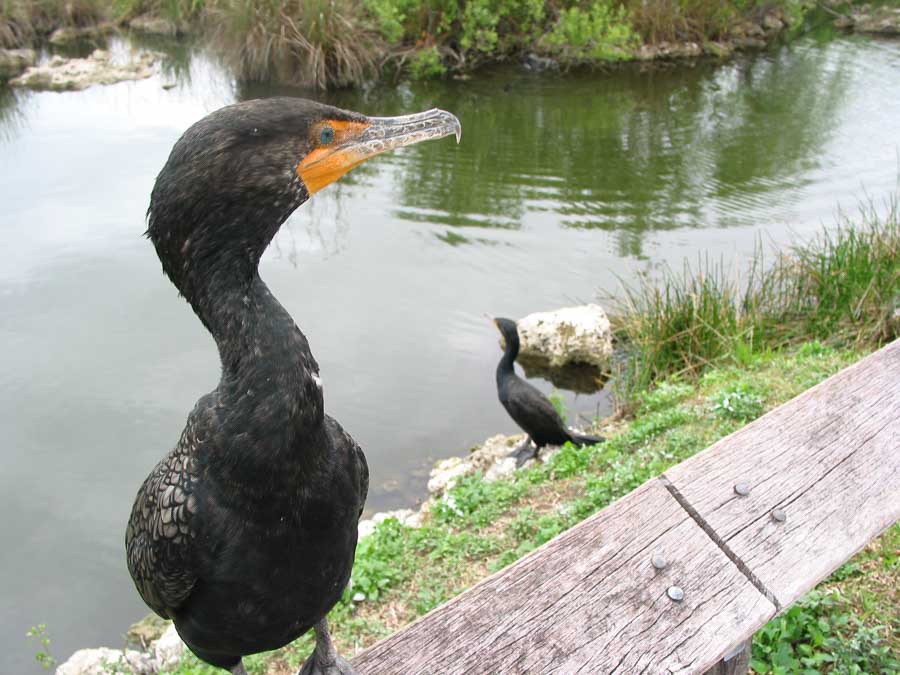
x: 678, y: 575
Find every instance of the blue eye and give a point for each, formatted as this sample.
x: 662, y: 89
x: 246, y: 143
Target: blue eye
x: 326, y: 136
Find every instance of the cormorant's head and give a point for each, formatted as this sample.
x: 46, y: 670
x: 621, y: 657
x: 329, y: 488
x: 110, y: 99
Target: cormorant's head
x: 508, y: 330
x: 236, y: 175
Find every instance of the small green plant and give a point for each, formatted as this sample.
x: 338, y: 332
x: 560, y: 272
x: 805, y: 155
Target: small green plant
x: 740, y: 403
x: 43, y: 655
x: 426, y: 64
x: 559, y: 403
x: 819, y: 634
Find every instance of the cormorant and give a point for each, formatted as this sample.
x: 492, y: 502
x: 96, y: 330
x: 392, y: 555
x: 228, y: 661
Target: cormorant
x: 244, y: 534
x: 528, y: 407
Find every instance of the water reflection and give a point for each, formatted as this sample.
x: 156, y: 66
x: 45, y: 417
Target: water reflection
x: 12, y: 119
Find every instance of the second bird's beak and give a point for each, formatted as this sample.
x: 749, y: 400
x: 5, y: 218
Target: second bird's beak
x: 355, y: 142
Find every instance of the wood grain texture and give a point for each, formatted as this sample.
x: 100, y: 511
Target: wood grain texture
x: 830, y: 459
x: 590, y: 601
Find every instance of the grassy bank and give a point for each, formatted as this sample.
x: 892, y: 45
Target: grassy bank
x: 405, y: 572
x: 842, y: 288
x: 713, y: 354
x: 344, y: 42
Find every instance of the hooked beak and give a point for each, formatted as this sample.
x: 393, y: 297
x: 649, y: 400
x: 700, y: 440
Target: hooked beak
x: 355, y: 142
x: 491, y: 319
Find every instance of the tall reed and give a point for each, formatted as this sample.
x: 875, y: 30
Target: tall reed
x: 842, y: 287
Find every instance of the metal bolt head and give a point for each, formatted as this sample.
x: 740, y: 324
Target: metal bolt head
x: 675, y: 593
x: 659, y: 561
x: 742, y: 489
x: 779, y: 516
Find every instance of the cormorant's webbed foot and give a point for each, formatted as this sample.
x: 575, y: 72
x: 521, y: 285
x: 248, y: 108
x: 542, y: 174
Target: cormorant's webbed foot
x: 324, y: 659
x: 525, y: 451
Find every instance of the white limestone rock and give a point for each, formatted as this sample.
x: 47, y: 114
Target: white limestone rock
x: 503, y: 468
x: 169, y: 649
x: 60, y: 74
x: 445, y: 474
x: 407, y: 517
x: 579, y: 334
x: 103, y: 660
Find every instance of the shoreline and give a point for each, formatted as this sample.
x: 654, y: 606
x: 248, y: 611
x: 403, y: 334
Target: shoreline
x: 444, y: 55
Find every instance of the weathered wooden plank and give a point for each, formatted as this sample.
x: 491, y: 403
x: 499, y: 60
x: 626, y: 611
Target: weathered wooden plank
x: 829, y: 460
x: 590, y: 601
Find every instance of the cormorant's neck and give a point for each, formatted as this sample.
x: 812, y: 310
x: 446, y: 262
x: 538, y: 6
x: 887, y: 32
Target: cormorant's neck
x: 505, y: 367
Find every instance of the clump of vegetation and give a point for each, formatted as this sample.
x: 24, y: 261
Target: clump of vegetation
x: 315, y: 43
x: 426, y: 64
x: 24, y: 21
x: 740, y: 403
x: 601, y: 31
x: 842, y: 288
x: 697, y: 20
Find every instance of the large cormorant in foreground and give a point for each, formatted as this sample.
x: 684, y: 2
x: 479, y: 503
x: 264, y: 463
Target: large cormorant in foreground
x: 528, y: 407
x: 244, y: 534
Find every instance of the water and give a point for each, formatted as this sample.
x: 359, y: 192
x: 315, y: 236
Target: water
x: 561, y: 186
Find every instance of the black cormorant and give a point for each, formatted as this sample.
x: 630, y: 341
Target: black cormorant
x: 244, y: 534
x: 528, y: 407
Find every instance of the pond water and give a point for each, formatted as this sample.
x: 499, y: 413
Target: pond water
x: 562, y: 186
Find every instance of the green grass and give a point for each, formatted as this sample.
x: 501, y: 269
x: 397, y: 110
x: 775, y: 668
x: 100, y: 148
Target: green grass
x: 842, y: 288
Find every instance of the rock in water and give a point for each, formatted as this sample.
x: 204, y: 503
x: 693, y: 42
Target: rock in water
x: 60, y: 74
x: 881, y: 20
x: 569, y: 335
x: 14, y: 61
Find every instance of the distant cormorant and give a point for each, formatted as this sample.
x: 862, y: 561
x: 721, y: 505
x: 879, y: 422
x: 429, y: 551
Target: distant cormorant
x: 528, y: 407
x: 244, y: 534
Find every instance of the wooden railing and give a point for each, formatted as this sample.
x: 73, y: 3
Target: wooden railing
x: 678, y: 575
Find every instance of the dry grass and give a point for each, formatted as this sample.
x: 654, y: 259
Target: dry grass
x: 312, y: 43
x: 680, y: 20
x: 24, y: 21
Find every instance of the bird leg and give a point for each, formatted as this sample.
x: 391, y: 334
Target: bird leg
x: 524, y: 451
x: 324, y: 659
x: 239, y: 669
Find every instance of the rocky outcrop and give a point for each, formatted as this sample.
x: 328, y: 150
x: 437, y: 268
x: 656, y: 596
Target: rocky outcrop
x: 61, y: 74
x: 69, y: 34
x: 877, y: 21
x: 155, y: 25
x: 14, y: 61
x: 569, y: 335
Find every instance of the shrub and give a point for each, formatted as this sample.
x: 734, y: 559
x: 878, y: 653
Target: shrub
x: 426, y: 64
x: 602, y: 31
